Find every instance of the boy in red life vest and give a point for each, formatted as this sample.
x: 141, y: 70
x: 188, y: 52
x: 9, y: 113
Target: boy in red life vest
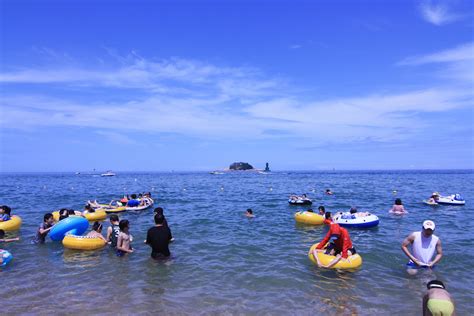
x: 340, y: 246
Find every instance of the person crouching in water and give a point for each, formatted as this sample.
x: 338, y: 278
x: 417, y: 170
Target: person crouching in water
x: 438, y: 300
x: 340, y: 246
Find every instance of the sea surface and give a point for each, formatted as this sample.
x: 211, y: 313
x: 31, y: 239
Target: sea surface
x: 225, y: 263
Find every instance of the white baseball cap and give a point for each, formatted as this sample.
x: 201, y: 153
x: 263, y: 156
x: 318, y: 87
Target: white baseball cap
x: 429, y: 225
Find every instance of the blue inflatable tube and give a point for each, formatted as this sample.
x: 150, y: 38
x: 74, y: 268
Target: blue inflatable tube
x: 6, y: 257
x: 72, y: 225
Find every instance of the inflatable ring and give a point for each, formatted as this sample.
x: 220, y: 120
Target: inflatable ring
x: 75, y: 225
x: 14, y: 223
x: 83, y: 242
x: 6, y: 257
x: 309, y: 218
x: 98, y: 215
x: 356, y: 220
x: 119, y: 209
x: 351, y: 262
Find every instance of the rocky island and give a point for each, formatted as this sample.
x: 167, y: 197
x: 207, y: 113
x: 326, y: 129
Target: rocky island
x: 240, y: 166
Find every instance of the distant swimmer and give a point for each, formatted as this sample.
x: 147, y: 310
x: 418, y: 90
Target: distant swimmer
x: 321, y: 210
x: 433, y: 198
x: 5, y: 213
x: 438, y: 300
x: 329, y: 192
x: 398, y: 208
x: 249, y: 213
x: 424, y: 245
x: 2, y: 237
x: 340, y: 245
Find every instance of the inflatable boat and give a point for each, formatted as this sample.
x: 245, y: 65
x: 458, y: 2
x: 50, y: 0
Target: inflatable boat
x: 299, y: 200
x: 454, y: 199
x: 356, y: 220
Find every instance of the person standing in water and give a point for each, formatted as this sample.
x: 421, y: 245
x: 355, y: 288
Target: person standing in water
x: 424, y: 244
x: 438, y: 300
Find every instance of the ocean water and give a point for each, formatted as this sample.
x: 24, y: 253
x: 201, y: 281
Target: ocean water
x: 224, y: 263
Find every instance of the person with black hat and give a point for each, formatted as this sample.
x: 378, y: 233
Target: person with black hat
x: 437, y: 301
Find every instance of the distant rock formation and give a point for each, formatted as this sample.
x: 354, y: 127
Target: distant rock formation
x: 267, y: 168
x: 240, y: 166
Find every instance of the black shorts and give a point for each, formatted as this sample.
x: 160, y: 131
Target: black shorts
x: 337, y: 251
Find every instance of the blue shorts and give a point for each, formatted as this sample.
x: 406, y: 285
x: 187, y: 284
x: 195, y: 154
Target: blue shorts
x: 119, y: 253
x: 412, y: 265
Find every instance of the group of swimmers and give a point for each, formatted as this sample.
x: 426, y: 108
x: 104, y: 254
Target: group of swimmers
x: 424, y: 245
x: 133, y: 200
x: 118, y: 234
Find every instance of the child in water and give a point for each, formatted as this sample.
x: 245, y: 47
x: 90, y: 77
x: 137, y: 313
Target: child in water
x: 438, y: 300
x: 249, y: 213
x: 96, y: 231
x: 124, y: 239
x: 2, y: 237
x: 5, y: 212
x: 113, y: 230
x: 398, y: 208
x: 44, y: 228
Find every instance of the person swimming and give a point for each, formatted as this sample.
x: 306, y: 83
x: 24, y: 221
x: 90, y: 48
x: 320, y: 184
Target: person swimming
x: 249, y: 213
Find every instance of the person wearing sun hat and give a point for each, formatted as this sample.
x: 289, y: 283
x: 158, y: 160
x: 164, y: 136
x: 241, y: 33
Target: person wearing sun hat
x: 424, y: 244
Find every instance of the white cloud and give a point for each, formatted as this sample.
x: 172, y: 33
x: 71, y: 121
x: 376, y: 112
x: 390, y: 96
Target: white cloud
x: 460, y: 53
x: 296, y: 46
x: 203, y: 100
x: 437, y: 12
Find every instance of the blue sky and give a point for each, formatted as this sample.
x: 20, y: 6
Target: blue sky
x: 196, y: 85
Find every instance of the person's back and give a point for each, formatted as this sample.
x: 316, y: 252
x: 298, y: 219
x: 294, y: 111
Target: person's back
x: 133, y: 203
x: 113, y: 231
x: 437, y: 301
x: 158, y: 237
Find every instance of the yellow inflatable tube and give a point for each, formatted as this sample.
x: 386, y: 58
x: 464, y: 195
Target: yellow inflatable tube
x: 98, y: 215
x: 13, y: 224
x: 83, y: 242
x: 309, y: 218
x: 118, y: 209
x: 352, y: 262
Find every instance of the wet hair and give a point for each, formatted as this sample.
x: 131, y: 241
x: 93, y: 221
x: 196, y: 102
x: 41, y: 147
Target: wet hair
x: 47, y: 216
x: 114, y: 218
x: 435, y: 284
x: 159, y: 210
x: 140, y: 195
x: 353, y: 210
x: 71, y: 211
x: 249, y: 210
x: 321, y: 208
x: 97, y: 226
x: 327, y: 215
x: 134, y: 196
x: 309, y: 210
x: 159, y: 219
x: 398, y: 202
x: 6, y: 209
x: 2, y: 233
x: 328, y: 190
x: 123, y: 224
x: 63, y: 213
